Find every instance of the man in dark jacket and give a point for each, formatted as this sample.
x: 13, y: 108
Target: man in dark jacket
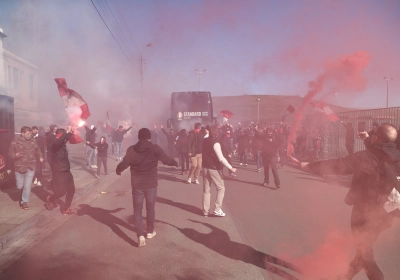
x: 366, y: 194
x: 270, y: 157
x: 40, y: 142
x: 142, y: 158
x: 62, y: 176
x: 101, y: 148
x: 182, y: 148
x: 195, y: 139
x: 91, y: 152
x: 257, y: 146
x: 118, y: 138
x: 242, y: 142
x: 171, y: 137
x: 225, y: 142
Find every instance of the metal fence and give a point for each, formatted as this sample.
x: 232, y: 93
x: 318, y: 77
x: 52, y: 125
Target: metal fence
x: 334, y: 133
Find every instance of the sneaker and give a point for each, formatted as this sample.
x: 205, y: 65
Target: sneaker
x: 35, y: 182
x: 97, y: 176
x: 116, y: 159
x: 24, y: 206
x: 197, y: 182
x: 38, y: 184
x: 232, y: 175
x: 240, y: 164
x: 151, y: 234
x: 94, y: 166
x: 50, y: 205
x: 245, y: 164
x: 189, y: 181
x: 68, y: 212
x: 219, y: 213
x: 142, y: 241
x: 259, y: 170
x: 205, y: 214
x: 265, y: 184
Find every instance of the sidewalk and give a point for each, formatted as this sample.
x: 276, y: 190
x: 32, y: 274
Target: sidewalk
x: 14, y: 221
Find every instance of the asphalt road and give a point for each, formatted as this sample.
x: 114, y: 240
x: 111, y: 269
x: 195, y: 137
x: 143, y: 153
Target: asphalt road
x: 268, y: 233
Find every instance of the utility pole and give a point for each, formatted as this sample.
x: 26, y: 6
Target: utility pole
x: 199, y: 74
x: 258, y: 110
x: 141, y: 66
x: 387, y: 90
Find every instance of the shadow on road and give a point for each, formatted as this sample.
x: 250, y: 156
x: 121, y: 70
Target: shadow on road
x: 186, y: 207
x: 104, y: 216
x: 170, y: 178
x: 219, y: 241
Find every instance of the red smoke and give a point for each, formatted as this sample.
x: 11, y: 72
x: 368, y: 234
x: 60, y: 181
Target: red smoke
x: 329, y: 260
x: 344, y: 75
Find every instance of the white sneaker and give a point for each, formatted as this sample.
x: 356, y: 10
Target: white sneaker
x: 219, y: 213
x: 94, y: 166
x: 151, y: 234
x: 142, y: 241
x: 35, y: 182
x: 240, y: 164
x: 189, y: 181
x: 39, y: 184
x: 197, y: 182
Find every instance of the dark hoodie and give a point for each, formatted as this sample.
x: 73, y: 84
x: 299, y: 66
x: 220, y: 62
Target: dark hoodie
x: 143, y: 159
x: 364, y: 166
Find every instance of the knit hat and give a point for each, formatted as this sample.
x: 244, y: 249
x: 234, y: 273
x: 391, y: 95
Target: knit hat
x: 144, y: 134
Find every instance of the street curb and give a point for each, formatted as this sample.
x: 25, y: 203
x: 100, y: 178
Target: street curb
x: 23, y: 237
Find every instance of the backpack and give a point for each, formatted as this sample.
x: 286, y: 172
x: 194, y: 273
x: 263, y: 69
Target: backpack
x: 388, y: 184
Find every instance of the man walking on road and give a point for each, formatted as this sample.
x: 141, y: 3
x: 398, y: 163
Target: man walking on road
x: 195, y: 139
x: 24, y: 152
x: 118, y: 138
x: 374, y: 178
x: 270, y: 157
x: 213, y: 161
x: 62, y: 176
x: 142, y: 158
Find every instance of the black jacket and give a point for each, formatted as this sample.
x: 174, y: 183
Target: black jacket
x: 59, y: 158
x: 225, y: 146
x: 364, y: 167
x: 182, y: 144
x: 142, y: 158
x: 101, y: 148
x: 90, y: 134
x: 118, y: 135
x: 170, y: 138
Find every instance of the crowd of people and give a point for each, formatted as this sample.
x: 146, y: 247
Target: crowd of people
x: 209, y: 150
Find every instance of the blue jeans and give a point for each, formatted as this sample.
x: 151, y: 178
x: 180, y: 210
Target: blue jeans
x: 24, y: 182
x: 118, y: 148
x: 138, y: 195
x: 91, y: 156
x: 258, y: 159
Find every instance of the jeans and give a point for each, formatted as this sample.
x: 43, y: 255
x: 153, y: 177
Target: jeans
x: 24, y: 182
x: 242, y: 156
x: 63, y: 185
x: 91, y: 156
x: 258, y: 159
x: 138, y: 195
x: 101, y: 160
x: 270, y: 161
x: 118, y: 148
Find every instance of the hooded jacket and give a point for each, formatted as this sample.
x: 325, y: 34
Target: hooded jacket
x: 142, y: 158
x: 59, y: 159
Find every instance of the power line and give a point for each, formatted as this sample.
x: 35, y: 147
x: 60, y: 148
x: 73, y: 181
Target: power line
x: 111, y: 32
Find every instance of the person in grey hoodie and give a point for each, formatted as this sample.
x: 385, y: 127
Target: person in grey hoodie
x: 142, y: 158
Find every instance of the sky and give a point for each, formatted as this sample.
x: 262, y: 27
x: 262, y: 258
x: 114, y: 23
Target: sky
x: 246, y: 47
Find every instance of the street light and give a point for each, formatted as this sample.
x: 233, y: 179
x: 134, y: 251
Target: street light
x: 387, y: 79
x: 258, y: 110
x: 198, y: 74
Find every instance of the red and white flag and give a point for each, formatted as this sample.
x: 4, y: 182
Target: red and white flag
x: 71, y: 98
x: 109, y: 128
x: 323, y: 108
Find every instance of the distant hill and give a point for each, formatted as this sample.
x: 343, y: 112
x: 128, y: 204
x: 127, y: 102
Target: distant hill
x: 272, y: 107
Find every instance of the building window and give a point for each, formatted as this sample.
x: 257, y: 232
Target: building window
x: 31, y: 86
x: 16, y: 80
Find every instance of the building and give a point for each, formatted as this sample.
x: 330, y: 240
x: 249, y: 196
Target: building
x: 19, y: 79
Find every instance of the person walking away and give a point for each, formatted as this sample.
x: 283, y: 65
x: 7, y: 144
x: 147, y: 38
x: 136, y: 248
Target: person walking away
x: 374, y: 178
x: 171, y: 136
x: 270, y: 157
x: 227, y: 152
x: 349, y: 143
x: 119, y: 137
x: 213, y: 161
x: 194, y: 151
x: 242, y: 141
x: 257, y: 146
x: 50, y: 136
x: 182, y: 148
x: 40, y: 142
x: 62, y: 176
x: 24, y: 152
x: 102, y: 148
x: 142, y: 158
x: 91, y: 152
